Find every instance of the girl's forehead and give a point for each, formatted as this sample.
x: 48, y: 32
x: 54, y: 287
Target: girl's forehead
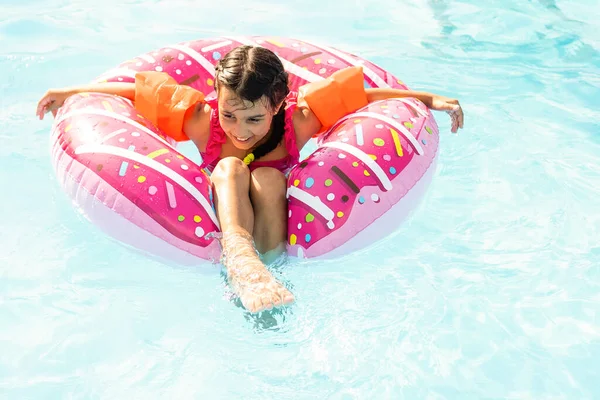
x: 230, y: 102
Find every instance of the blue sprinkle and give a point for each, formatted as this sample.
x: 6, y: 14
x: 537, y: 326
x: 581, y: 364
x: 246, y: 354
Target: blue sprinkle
x: 392, y: 170
x: 310, y: 182
x: 216, y: 55
x: 423, y: 141
x: 361, y: 200
x: 307, y: 237
x: 395, y: 116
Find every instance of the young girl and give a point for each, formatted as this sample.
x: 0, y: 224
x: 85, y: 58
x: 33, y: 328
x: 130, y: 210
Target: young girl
x: 249, y: 135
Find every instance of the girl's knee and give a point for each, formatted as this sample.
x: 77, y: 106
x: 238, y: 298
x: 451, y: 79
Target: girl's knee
x: 268, y: 183
x: 230, y: 168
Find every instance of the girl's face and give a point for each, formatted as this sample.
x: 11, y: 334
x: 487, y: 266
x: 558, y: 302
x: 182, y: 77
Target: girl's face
x: 244, y: 123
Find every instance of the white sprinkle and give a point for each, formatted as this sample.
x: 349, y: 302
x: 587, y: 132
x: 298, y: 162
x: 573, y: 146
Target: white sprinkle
x: 138, y: 64
x: 289, y: 213
x: 379, y: 126
x: 184, y: 167
x: 121, y: 140
x: 299, y: 226
x: 159, y: 68
x: 342, y: 156
x: 178, y: 71
x: 374, y: 197
x: 188, y: 62
x: 199, y: 231
x: 321, y: 163
x: 180, y: 56
x: 135, y: 134
x: 330, y: 196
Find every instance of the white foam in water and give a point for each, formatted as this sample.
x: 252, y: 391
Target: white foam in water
x: 490, y: 289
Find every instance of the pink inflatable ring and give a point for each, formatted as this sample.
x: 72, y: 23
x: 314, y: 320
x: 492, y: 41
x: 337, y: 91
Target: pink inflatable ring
x: 369, y: 170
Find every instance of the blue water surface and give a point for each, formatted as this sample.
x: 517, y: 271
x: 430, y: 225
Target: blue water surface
x: 490, y: 291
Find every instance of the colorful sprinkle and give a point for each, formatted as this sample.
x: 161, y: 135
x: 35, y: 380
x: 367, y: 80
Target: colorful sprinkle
x: 188, y: 62
x: 375, y: 197
x: 199, y: 231
x: 141, y: 179
x: 198, y: 179
x: 429, y: 130
x: 345, y: 198
x: 309, y: 182
x: 99, y: 167
x: 307, y: 238
x: 392, y: 170
x: 152, y: 190
x: 360, y: 140
x: 361, y: 200
x: 328, y: 182
x: 178, y: 71
x: 157, y: 153
x: 330, y: 196
x: 321, y: 163
x: 135, y: 134
x: 180, y: 218
x: 423, y: 141
x: 159, y: 68
x: 121, y: 140
x: 379, y: 126
x: 366, y: 173
x: 317, y: 61
x: 331, y: 61
x: 107, y: 106
x: 387, y: 157
x: 216, y: 55
x: 357, y: 121
x: 396, y: 116
x: 397, y: 143
x: 171, y: 195
x: 184, y: 167
x: 378, y: 142
x: 296, y: 182
x: 299, y: 226
x: 408, y: 124
x: 210, y: 82
x: 340, y: 214
x: 197, y: 219
x: 341, y: 156
x: 289, y: 213
x: 355, y: 164
x: 167, y: 160
x: 322, y: 71
x: 309, y: 217
x: 373, y: 157
x: 293, y: 239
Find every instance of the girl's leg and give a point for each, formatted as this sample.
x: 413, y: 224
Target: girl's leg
x: 267, y: 194
x: 253, y: 283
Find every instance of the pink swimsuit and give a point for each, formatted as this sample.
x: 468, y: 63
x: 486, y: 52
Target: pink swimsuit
x: 211, y: 156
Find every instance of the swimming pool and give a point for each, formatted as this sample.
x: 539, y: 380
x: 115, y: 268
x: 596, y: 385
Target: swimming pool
x: 491, y: 290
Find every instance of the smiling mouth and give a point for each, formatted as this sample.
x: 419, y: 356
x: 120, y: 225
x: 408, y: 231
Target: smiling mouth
x: 241, y: 140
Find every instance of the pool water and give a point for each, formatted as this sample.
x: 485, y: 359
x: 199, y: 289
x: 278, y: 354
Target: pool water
x: 491, y: 290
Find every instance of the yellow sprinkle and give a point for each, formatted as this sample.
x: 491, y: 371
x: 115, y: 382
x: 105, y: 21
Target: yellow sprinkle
x: 140, y: 116
x: 68, y: 128
x: 197, y: 218
x: 122, y: 106
x: 84, y: 94
x: 296, y: 182
x: 373, y: 157
x: 293, y: 239
x: 276, y: 42
x: 317, y: 61
x: 378, y: 142
x: 167, y: 160
x: 400, y: 82
x: 357, y: 121
x: 355, y: 164
x: 141, y: 179
x: 367, y: 173
x: 340, y: 214
x: 157, y: 153
x: 179, y: 156
x: 397, y: 143
x: 210, y: 82
x: 107, y: 105
x: 384, y: 106
x: 136, y: 166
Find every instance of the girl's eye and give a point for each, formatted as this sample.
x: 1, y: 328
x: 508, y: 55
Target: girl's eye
x: 254, y: 120
x: 228, y: 116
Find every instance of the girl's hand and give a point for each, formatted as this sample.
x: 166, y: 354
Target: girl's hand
x: 52, y: 101
x: 451, y: 106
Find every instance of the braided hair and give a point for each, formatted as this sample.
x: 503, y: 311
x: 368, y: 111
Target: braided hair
x: 251, y: 73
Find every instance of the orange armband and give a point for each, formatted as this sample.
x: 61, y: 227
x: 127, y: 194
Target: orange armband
x: 340, y: 94
x: 164, y: 102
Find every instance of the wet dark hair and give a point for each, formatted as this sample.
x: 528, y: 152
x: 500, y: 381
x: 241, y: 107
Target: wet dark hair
x: 251, y: 73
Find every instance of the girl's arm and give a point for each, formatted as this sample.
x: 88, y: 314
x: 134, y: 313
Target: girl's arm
x: 55, y: 98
